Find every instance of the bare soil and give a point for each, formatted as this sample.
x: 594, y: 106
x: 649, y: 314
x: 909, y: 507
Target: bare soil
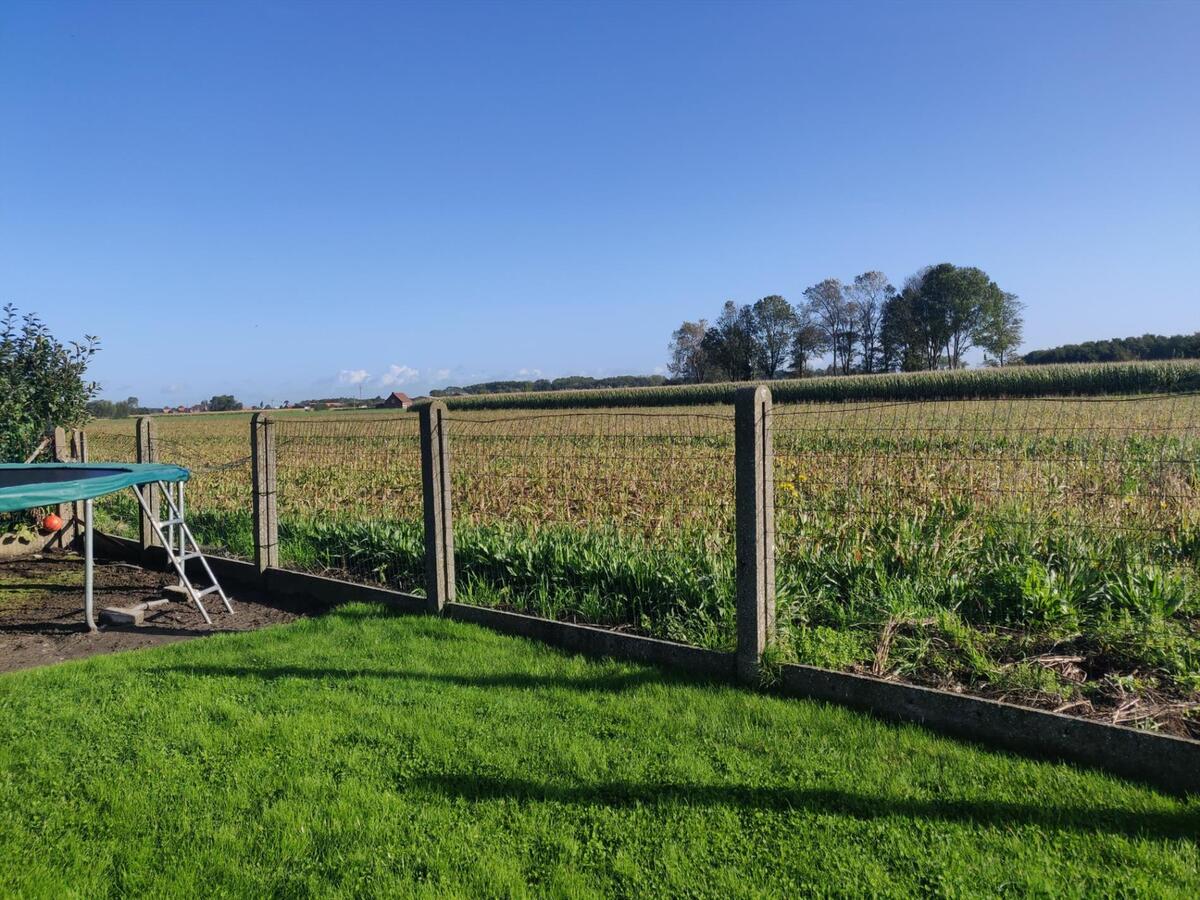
x: 41, y: 611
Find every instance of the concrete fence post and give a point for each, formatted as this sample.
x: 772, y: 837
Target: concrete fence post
x: 439, y: 522
x: 60, y: 450
x: 147, y: 452
x: 79, y: 445
x: 755, y: 506
x: 266, y: 516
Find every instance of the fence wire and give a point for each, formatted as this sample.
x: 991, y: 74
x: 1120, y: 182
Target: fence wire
x: 349, y: 496
x: 651, y: 474
x: 1125, y: 464
x: 218, y: 491
x: 610, y: 517
x: 114, y: 442
x: 1046, y: 551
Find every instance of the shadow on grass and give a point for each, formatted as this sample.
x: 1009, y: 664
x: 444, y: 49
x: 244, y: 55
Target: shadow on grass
x: 987, y: 813
x: 521, y: 680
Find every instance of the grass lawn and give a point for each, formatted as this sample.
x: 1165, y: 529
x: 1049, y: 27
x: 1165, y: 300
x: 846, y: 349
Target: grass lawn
x: 370, y: 754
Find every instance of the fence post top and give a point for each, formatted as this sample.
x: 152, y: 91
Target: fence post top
x: 260, y: 418
x: 758, y: 393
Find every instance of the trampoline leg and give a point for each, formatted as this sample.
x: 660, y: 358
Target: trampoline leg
x: 88, y: 566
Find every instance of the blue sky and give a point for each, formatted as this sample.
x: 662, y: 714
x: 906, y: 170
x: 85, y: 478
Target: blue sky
x: 263, y: 198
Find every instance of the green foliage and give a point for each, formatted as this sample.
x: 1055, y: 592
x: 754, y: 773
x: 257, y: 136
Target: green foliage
x: 1022, y: 381
x: 120, y: 409
x: 224, y: 403
x: 1148, y: 346
x: 42, y: 383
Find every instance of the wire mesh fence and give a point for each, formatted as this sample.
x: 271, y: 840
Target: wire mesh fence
x: 218, y: 490
x: 349, y: 497
x: 620, y: 518
x: 1042, y: 550
x: 1046, y: 548
x: 114, y: 442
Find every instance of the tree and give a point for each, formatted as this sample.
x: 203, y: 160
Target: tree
x: 1148, y: 346
x: 974, y: 293
x: 942, y: 312
x: 834, y: 315
x: 896, y: 334
x: 869, y: 293
x: 729, y: 344
x: 808, y: 341
x: 688, y: 361
x: 42, y: 383
x: 223, y: 403
x: 773, y: 324
x: 1002, y: 329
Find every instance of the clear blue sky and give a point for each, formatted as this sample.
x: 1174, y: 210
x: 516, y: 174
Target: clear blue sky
x: 256, y: 197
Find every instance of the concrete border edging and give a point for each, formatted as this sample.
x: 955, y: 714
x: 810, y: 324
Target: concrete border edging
x: 1169, y: 763
x: 593, y: 641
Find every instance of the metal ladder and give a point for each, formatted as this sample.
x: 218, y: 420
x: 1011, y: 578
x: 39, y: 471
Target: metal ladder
x: 179, y: 543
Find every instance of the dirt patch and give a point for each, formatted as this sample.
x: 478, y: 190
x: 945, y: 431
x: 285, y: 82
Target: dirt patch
x: 41, y: 611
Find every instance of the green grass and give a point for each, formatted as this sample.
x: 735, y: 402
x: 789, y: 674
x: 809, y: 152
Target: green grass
x: 364, y: 754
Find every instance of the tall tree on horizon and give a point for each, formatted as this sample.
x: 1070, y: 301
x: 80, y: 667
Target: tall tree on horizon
x: 834, y: 315
x: 1002, y: 329
x: 808, y: 340
x: 729, y: 343
x: 773, y: 322
x: 869, y: 293
x: 688, y: 361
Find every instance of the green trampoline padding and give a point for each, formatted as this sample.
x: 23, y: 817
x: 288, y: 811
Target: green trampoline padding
x: 48, y: 484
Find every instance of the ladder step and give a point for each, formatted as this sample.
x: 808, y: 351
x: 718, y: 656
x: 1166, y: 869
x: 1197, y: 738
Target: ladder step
x: 211, y: 589
x: 184, y: 557
x: 167, y: 523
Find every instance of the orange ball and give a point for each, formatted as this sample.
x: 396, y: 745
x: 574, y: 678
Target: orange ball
x: 52, y: 523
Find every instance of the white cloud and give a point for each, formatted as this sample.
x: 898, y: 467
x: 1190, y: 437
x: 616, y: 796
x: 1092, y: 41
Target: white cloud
x: 441, y: 375
x: 398, y: 375
x: 529, y: 373
x: 353, y: 376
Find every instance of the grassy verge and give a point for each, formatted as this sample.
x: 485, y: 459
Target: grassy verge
x: 369, y: 754
x: 1096, y: 622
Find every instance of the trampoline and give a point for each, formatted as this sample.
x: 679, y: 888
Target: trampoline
x: 26, y: 486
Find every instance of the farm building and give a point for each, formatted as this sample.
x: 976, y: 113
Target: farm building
x: 396, y: 400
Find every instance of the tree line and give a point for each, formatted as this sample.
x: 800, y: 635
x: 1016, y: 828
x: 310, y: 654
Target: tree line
x: 117, y: 409
x: 566, y: 383
x: 863, y: 326
x: 1148, y: 346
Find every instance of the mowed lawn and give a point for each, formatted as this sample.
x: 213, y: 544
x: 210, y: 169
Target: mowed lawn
x: 367, y: 754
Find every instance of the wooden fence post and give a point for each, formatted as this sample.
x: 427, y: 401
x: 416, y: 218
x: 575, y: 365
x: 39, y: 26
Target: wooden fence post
x: 439, y: 522
x: 147, y: 452
x: 755, y: 504
x: 266, y: 517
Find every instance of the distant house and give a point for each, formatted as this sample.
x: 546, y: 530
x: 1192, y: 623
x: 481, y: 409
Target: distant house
x: 396, y: 400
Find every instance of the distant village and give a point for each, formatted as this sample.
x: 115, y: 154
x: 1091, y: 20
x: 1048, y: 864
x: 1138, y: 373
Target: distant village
x: 394, y: 400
